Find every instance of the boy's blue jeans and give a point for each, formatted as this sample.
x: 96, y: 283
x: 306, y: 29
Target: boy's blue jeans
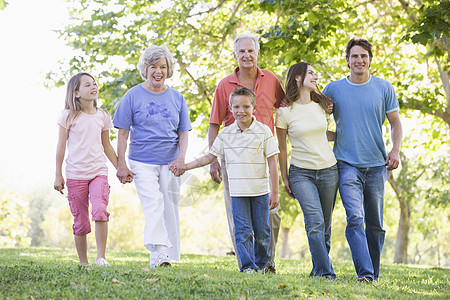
x: 362, y: 193
x: 315, y: 191
x: 252, y: 230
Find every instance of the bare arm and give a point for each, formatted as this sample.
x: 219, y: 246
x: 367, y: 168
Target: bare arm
x: 123, y: 173
x: 214, y: 170
x: 331, y: 136
x: 282, y: 157
x: 273, y: 171
x: 60, y: 152
x: 178, y: 164
x: 108, y: 149
x: 393, y: 158
x: 201, y: 161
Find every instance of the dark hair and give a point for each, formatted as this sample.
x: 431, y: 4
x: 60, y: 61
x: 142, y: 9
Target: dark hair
x: 243, y: 91
x: 358, y: 42
x: 292, y: 88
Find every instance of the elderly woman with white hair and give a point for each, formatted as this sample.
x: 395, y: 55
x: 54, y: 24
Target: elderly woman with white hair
x: 156, y: 118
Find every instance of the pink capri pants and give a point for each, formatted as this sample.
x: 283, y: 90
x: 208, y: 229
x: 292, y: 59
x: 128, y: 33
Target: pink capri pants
x: 79, y: 193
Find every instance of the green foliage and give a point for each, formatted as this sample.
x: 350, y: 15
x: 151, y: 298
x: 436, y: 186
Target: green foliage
x: 3, y: 4
x: 432, y: 24
x: 49, y: 274
x: 14, y: 220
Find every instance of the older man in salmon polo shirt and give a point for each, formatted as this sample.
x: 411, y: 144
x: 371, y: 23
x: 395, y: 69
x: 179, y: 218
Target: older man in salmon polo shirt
x: 269, y: 94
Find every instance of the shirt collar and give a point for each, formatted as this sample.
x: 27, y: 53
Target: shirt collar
x: 251, y: 128
x: 234, y: 78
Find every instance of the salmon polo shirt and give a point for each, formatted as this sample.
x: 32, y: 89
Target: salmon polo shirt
x: 268, y: 91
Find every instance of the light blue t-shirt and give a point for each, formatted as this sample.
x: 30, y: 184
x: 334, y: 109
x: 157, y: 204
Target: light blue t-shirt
x: 154, y: 121
x: 359, y: 111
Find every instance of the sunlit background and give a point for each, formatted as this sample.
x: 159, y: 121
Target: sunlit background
x: 29, y: 49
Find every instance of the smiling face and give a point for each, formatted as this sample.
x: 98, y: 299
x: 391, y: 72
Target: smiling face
x: 246, y: 54
x: 242, y: 110
x: 359, y: 61
x: 156, y: 75
x: 88, y: 90
x: 310, y: 80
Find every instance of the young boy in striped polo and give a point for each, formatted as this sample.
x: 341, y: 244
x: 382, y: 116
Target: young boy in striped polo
x: 249, y: 147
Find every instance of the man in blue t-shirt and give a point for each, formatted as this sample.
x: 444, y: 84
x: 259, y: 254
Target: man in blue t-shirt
x: 361, y: 103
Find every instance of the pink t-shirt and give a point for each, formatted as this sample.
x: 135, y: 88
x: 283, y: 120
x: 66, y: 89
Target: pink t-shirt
x: 268, y: 91
x: 85, y: 159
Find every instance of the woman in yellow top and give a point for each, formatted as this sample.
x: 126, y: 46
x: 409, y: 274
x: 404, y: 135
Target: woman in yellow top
x: 313, y: 175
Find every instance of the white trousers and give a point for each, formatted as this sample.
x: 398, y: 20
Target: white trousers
x: 159, y: 193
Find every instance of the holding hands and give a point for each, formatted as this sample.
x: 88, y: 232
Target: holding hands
x: 124, y: 174
x: 177, y: 167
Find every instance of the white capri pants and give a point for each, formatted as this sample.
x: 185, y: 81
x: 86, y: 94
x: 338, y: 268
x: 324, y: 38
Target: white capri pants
x: 159, y: 193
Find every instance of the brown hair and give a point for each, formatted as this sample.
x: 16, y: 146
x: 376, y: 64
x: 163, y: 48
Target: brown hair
x: 292, y: 88
x: 243, y: 91
x: 358, y: 42
x: 73, y: 103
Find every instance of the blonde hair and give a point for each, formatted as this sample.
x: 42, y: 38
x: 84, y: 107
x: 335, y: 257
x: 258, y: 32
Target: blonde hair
x: 151, y: 56
x: 73, y: 103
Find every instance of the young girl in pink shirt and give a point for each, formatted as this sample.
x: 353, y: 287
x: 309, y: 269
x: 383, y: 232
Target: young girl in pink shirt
x: 85, y: 129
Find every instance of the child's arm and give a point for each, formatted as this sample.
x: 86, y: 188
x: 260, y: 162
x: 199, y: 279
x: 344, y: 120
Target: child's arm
x: 199, y: 162
x: 108, y: 149
x: 273, y: 170
x: 60, y: 152
x: 178, y: 164
x: 282, y: 156
x: 123, y: 173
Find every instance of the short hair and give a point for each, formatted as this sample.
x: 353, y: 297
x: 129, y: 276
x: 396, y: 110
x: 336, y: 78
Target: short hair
x: 358, y: 42
x: 243, y: 91
x: 151, y: 56
x: 245, y: 36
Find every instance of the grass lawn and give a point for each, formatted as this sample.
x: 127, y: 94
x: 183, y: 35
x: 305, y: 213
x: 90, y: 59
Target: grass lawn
x: 38, y: 273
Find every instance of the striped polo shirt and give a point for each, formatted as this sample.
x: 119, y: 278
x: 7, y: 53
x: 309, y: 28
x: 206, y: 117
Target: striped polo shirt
x: 246, y: 154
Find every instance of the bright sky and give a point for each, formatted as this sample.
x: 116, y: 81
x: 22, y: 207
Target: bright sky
x: 29, y: 49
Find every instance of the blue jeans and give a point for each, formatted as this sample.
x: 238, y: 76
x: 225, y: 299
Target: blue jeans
x: 252, y: 230
x: 315, y: 191
x: 362, y: 193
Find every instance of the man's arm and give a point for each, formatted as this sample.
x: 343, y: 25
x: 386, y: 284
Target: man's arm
x: 393, y: 158
x: 214, y: 169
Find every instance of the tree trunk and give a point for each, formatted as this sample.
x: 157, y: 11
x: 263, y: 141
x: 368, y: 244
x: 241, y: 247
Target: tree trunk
x: 285, y: 253
x: 404, y: 224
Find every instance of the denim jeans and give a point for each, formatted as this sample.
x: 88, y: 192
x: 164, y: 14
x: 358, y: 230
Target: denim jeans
x: 252, y: 230
x: 362, y: 193
x: 315, y: 191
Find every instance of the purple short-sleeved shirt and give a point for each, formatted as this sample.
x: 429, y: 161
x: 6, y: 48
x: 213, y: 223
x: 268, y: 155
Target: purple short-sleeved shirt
x: 154, y: 121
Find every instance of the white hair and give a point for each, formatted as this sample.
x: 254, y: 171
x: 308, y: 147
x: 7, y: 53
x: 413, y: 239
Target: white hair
x: 246, y: 36
x: 151, y: 56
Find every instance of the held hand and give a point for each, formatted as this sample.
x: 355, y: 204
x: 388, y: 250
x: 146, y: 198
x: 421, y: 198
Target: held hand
x: 393, y: 160
x: 177, y: 167
x: 59, y: 184
x: 274, y: 200
x: 125, y: 175
x: 215, y: 171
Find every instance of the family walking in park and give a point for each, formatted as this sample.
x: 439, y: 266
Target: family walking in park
x: 243, y: 156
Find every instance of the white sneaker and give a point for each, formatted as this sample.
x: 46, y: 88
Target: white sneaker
x: 153, y: 260
x: 163, y: 259
x: 249, y: 271
x: 101, y: 262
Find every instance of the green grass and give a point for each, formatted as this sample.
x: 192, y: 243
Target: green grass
x: 38, y: 273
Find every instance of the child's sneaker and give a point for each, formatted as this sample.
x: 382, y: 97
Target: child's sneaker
x: 163, y: 259
x: 249, y: 271
x: 101, y: 262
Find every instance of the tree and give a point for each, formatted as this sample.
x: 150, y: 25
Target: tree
x: 3, y: 4
x: 109, y: 36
